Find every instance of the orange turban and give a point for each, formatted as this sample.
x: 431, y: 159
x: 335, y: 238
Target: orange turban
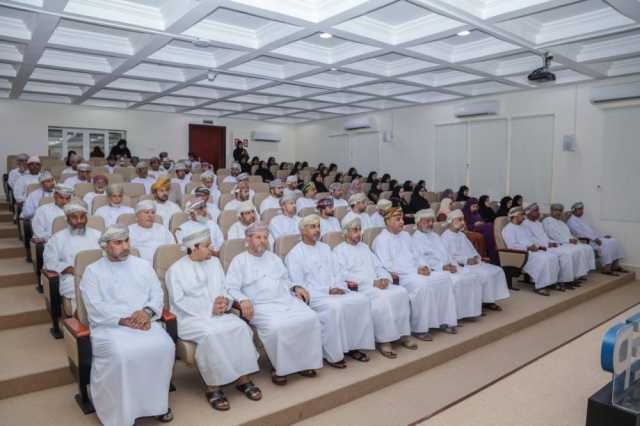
x: 162, y: 182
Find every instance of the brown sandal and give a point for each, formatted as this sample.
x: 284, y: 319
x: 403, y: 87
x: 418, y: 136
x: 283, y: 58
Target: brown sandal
x: 338, y: 365
x: 251, y: 391
x: 308, y: 373
x: 217, y: 400
x: 359, y: 356
x: 166, y: 417
x: 278, y: 380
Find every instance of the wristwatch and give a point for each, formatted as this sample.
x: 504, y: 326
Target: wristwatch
x: 149, y: 311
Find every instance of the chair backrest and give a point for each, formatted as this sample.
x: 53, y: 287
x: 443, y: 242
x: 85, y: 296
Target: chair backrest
x: 407, y: 196
x: 102, y: 200
x: 115, y: 178
x: 435, y: 206
x: 175, y: 194
x: 164, y: 257
x: 432, y: 197
x: 82, y: 188
x: 255, y: 178
x: 341, y: 212
x: 84, y: 259
x: 498, y: 225
x: 191, y: 186
x: 285, y: 243
x: 226, y: 187
x: 307, y: 211
x: 259, y: 186
x: 45, y: 200
x: 457, y: 205
x: 371, y: 209
x: 321, y: 195
x: 176, y: 220
x: 347, y: 179
x: 223, y: 172
x: 32, y: 187
x: 269, y: 214
x: 229, y: 250
x: 333, y: 238
x: 385, y: 195
x: 439, y: 227
x: 224, y: 199
x: 274, y: 169
x: 95, y: 222
x: 282, y: 174
x: 127, y: 173
x: 226, y: 219
x: 133, y: 190
x: 370, y: 234
x: 259, y: 198
x: 130, y: 218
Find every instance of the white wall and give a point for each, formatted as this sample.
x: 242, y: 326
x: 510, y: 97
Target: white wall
x: 24, y: 129
x: 576, y: 175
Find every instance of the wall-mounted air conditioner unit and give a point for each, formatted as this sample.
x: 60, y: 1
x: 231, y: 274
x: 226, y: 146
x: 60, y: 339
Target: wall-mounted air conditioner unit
x: 258, y: 136
x: 476, y: 109
x: 360, y: 123
x: 615, y: 93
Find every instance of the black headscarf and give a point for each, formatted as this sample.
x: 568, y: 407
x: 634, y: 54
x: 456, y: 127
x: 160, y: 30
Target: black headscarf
x: 487, y: 213
x: 505, y: 205
x: 461, y: 191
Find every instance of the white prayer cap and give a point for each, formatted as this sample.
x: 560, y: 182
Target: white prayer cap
x: 245, y: 206
x: 275, y: 183
x: 180, y: 166
x: 235, y: 165
x: 383, y: 204
x: 115, y: 188
x: 312, y: 219
x: 455, y: 214
x: 33, y: 159
x: 83, y: 167
x: 424, y: 214
x: 286, y: 199
x: 352, y: 220
x: 292, y: 178
x: 357, y: 198
x: 114, y: 232
x: 64, y: 191
x: 576, y: 206
x: 254, y: 228
x: 75, y: 207
x: 198, y: 236
x: 194, y: 204
x: 142, y: 165
x: 531, y: 207
x: 557, y: 206
x: 188, y: 163
x: 22, y: 157
x: 242, y: 176
x: 514, y: 211
x: 145, y: 205
x: 208, y: 176
x: 46, y: 175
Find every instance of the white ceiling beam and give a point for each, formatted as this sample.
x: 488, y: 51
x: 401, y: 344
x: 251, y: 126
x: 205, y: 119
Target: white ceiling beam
x: 629, y: 8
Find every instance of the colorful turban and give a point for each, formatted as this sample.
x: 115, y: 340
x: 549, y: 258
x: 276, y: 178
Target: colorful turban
x: 180, y: 166
x: 514, y: 211
x: 202, y: 190
x: 308, y: 187
x: 74, y: 207
x: 114, y: 232
x: 312, y: 219
x: 46, y: 175
x: 194, y: 204
x: 576, y: 206
x: 531, y: 207
x: 335, y: 186
x: 96, y: 178
x: 83, y: 167
x: 207, y: 176
x: 242, y: 176
x: 557, y: 206
x: 392, y: 212
x: 198, y: 236
x: 142, y: 165
x: 254, y: 228
x: 292, y: 178
x: 163, y: 182
x: 324, y: 203
x: 64, y: 191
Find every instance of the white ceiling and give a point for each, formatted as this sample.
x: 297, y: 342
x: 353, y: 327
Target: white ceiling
x: 270, y: 63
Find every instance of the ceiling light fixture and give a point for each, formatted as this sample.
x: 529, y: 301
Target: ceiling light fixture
x: 326, y: 35
x: 464, y: 33
x: 334, y: 69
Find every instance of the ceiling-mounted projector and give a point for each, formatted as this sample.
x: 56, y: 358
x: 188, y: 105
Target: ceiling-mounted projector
x: 542, y: 74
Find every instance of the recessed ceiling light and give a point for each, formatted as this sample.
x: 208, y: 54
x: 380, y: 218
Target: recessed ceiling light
x: 334, y: 69
x: 464, y: 33
x: 326, y: 35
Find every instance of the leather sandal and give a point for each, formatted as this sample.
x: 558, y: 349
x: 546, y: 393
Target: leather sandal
x: 339, y: 365
x: 217, y: 400
x: 251, y: 391
x: 408, y: 343
x: 386, y: 351
x: 308, y: 373
x: 278, y: 380
x: 166, y: 417
x: 359, y: 356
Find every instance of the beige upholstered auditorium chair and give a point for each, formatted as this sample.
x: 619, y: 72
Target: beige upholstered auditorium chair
x: 229, y: 250
x: 285, y: 243
x: 127, y: 173
x: 82, y: 188
x: 511, y: 261
x: 432, y: 197
x: 127, y: 219
x: 115, y: 178
x: 407, y: 196
x: 384, y: 195
x: 259, y: 198
x: 226, y: 219
x: 281, y: 174
x: 435, y: 206
x: 274, y: 169
x: 307, y: 211
x: 134, y: 191
x: 77, y: 335
x: 51, y: 285
x: 222, y: 173
x: 258, y: 186
x: 191, y: 186
x: 385, y: 186
x: 333, y: 238
x: 347, y: 179
x: 341, y: 212
x: 321, y: 195
x: 371, y: 209
x: 176, y: 220
x: 224, y: 199
x: 255, y: 179
x: 269, y: 214
x: 99, y: 170
x: 494, y: 205
x: 102, y: 200
x: 457, y: 205
x: 370, y: 234
x: 175, y: 194
x: 226, y: 187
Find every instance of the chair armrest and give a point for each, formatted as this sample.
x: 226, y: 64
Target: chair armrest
x: 512, y: 258
x: 76, y: 328
x: 50, y: 274
x: 170, y: 323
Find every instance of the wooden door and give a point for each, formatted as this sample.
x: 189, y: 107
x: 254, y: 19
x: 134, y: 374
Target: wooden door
x: 208, y: 143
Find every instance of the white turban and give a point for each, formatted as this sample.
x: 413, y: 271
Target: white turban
x: 194, y: 204
x: 236, y: 166
x: 455, y: 214
x: 254, y: 228
x: 84, y: 167
x: 198, y: 236
x: 383, y: 204
x: 245, y: 206
x: 349, y: 217
x: 46, y: 175
x: 275, y: 183
x: 514, y: 211
x: 180, y: 166
x: 292, y: 178
x: 33, y: 159
x: 357, y: 198
x: 145, y: 205
x: 424, y: 214
x: 71, y: 208
x: 352, y: 221
x: 287, y: 198
x: 207, y: 176
x: 311, y: 219
x: 142, y: 165
x: 578, y: 205
x: 242, y: 176
x: 114, y: 233
x: 65, y: 191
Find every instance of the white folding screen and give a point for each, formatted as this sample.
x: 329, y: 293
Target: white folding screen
x: 488, y: 157
x: 451, y: 156
x: 620, y: 171
x: 531, y: 165
x: 365, y: 153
